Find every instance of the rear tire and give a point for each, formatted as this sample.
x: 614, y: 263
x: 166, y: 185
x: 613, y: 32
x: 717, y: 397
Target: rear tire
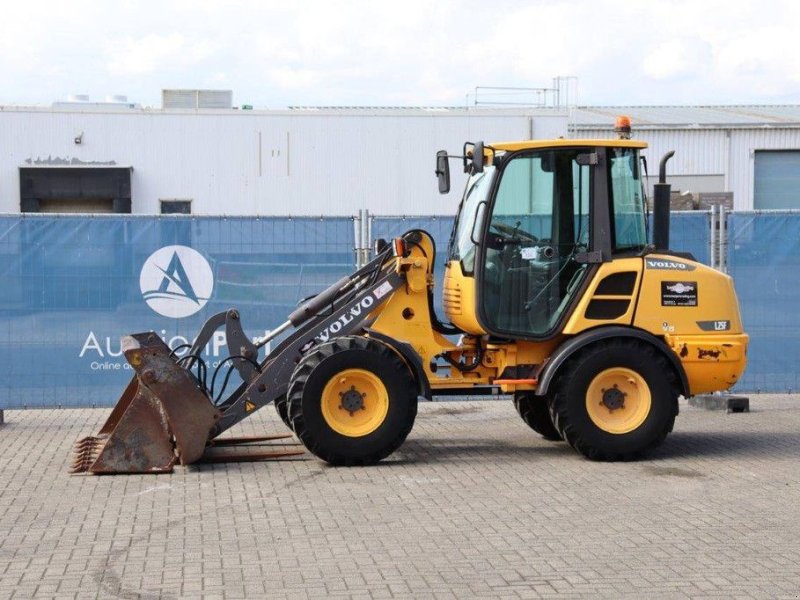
x: 352, y: 401
x: 615, y: 400
x: 535, y: 412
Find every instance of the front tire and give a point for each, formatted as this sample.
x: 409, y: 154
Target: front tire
x: 352, y: 401
x: 615, y: 400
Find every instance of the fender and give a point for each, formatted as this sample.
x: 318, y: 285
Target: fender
x: 550, y: 367
x: 410, y: 357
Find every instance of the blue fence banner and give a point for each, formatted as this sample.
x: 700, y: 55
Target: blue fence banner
x: 72, y: 285
x: 764, y: 260
x: 690, y: 231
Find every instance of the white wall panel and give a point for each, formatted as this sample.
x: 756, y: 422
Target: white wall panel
x: 328, y: 161
x: 264, y: 163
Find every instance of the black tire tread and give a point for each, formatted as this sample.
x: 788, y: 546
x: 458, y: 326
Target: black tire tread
x: 535, y: 413
x: 282, y: 408
x: 303, y: 372
x: 558, y: 407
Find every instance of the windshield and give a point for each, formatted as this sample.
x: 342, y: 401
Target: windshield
x: 461, y: 246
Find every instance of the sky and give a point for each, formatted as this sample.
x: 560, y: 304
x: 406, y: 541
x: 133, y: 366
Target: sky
x: 410, y: 53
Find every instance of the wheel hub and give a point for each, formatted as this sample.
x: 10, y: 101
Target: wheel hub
x: 618, y: 400
x: 352, y: 400
x: 613, y: 398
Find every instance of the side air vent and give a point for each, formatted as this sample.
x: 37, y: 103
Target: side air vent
x: 607, y: 309
x: 618, y: 284
x: 612, y: 298
x: 451, y: 300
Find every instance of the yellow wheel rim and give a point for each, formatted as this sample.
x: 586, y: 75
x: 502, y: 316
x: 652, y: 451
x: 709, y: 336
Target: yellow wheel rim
x: 355, y: 402
x: 618, y: 400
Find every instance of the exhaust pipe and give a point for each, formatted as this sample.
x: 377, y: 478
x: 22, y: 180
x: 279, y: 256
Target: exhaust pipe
x: 661, y: 193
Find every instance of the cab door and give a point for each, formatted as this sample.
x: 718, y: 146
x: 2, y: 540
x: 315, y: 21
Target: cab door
x: 537, y: 249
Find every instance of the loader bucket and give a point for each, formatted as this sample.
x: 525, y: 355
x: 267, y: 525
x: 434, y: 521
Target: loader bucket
x: 161, y: 418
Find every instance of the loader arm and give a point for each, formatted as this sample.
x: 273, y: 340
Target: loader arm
x: 273, y: 379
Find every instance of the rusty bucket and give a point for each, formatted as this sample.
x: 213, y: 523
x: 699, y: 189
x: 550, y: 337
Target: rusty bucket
x: 162, y: 417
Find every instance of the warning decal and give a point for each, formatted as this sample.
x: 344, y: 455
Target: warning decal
x: 678, y: 293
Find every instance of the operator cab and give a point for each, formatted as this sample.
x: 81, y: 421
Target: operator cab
x: 534, y: 223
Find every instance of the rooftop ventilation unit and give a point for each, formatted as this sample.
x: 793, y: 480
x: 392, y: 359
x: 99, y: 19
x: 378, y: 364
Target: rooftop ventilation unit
x: 194, y: 99
x: 82, y: 103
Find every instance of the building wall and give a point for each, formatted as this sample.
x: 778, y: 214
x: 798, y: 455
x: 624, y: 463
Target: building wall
x: 332, y: 162
x: 718, y: 151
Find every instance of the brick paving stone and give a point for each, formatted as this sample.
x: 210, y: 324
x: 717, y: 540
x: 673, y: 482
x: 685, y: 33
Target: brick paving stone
x: 473, y: 505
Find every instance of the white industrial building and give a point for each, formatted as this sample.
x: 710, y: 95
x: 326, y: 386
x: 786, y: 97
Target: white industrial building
x: 120, y: 157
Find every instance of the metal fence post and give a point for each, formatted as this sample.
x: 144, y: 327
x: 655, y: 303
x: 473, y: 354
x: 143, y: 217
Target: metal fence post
x: 723, y: 239
x: 712, y: 239
x: 356, y: 235
x: 357, y: 238
x: 365, y: 227
x: 368, y: 244
x: 362, y: 226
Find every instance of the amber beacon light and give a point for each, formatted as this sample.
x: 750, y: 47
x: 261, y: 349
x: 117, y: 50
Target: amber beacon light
x: 623, y: 127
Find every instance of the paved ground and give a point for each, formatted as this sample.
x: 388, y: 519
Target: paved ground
x: 474, y: 505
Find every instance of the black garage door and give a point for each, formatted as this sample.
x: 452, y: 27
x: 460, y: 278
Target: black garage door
x: 75, y: 189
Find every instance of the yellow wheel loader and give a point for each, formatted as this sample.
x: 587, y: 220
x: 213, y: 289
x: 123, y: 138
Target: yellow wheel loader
x: 551, y: 289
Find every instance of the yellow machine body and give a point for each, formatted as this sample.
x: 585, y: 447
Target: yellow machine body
x: 707, y: 339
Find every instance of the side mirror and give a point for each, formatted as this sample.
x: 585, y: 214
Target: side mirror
x: 477, y: 157
x: 443, y: 171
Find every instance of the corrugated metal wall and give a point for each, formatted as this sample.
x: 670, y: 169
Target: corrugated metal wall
x: 265, y: 163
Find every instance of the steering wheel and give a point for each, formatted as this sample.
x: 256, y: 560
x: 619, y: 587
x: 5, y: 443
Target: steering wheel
x: 513, y: 233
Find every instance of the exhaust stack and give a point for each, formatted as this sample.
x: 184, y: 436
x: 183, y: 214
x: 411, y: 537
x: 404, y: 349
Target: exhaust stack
x: 661, y: 193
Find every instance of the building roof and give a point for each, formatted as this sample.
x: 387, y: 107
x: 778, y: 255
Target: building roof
x: 590, y: 117
x: 580, y: 117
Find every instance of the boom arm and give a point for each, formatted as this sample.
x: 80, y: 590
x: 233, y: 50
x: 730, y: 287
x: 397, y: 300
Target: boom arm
x: 347, y: 316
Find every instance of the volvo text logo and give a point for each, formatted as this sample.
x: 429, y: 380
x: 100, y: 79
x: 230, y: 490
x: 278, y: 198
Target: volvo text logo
x: 176, y: 281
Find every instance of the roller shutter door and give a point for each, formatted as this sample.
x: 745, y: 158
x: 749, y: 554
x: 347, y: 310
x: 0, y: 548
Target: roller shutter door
x: 777, y: 179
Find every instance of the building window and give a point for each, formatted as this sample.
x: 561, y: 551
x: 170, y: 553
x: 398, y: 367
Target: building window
x: 176, y: 207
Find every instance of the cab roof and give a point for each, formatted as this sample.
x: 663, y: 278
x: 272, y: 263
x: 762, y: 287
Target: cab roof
x: 562, y: 143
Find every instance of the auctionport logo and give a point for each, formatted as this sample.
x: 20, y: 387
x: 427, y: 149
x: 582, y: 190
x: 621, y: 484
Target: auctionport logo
x: 176, y: 281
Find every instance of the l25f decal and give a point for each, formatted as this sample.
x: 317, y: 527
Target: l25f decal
x: 714, y: 325
x: 678, y: 293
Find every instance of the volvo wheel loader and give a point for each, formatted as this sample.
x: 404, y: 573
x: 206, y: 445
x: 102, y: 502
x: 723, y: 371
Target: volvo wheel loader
x: 553, y: 294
